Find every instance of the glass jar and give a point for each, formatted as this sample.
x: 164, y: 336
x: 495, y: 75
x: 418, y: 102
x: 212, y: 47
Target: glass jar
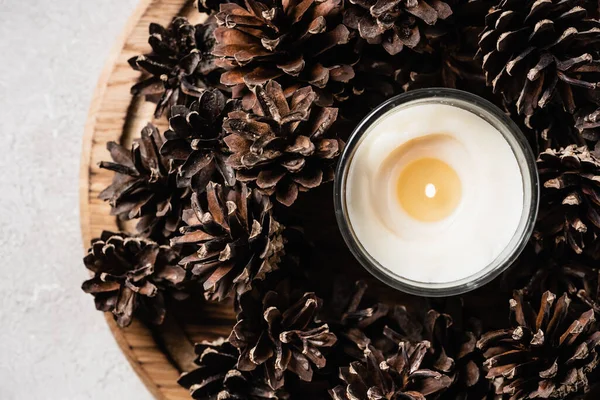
x: 526, y: 163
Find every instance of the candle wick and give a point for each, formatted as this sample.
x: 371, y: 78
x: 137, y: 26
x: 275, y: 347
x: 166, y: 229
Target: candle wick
x: 430, y: 190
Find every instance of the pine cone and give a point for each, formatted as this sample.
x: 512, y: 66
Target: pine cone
x: 398, y: 23
x: 549, y: 127
x: 535, y: 52
x: 587, y: 122
x: 195, y: 141
x: 548, y: 354
x: 231, y: 239
x: 452, y: 62
x: 278, y: 332
x: 131, y: 275
x: 283, y: 148
x: 397, y: 377
x: 218, y: 378
x: 452, y: 351
x: 375, y: 80
x: 143, y: 187
x: 569, y: 215
x: 537, y: 271
x: 451, y: 348
x: 179, y: 65
x: 298, y: 43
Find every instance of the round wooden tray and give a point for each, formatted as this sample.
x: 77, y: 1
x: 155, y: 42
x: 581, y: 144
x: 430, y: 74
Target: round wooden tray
x: 158, y: 355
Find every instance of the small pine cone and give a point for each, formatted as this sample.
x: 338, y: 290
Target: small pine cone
x: 131, y: 276
x: 218, y: 378
x: 144, y: 187
x: 194, y: 141
x: 535, y: 52
x: 396, y: 24
x: 231, y: 239
x: 279, y: 332
x: 298, y: 43
x: 397, y: 377
x: 283, y: 148
x: 545, y: 354
x: 569, y: 215
x: 178, y: 66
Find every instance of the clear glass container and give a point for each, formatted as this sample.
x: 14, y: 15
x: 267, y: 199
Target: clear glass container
x: 526, y: 162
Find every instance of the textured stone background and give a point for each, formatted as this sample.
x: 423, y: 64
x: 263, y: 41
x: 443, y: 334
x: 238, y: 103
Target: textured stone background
x: 53, y: 345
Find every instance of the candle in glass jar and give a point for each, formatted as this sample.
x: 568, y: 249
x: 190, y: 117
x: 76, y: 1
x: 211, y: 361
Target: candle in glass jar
x: 434, y: 193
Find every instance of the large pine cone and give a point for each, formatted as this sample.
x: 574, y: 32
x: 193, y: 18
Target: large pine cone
x: 397, y: 377
x: 179, y: 65
x: 545, y: 354
x: 569, y: 216
x: 283, y: 148
x: 278, y: 332
x: 218, y: 378
x: 297, y: 42
x: 397, y: 23
x: 130, y: 277
x: 195, y: 141
x: 535, y: 52
x: 231, y: 239
x: 144, y: 187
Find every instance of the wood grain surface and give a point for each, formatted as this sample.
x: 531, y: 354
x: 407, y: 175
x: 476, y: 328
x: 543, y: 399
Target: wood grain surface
x: 158, y: 355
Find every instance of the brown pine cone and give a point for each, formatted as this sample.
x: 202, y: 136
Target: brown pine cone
x: 545, y: 354
x: 279, y: 332
x: 144, y: 187
x: 537, y: 271
x: 180, y: 64
x: 194, y: 141
x: 218, y: 378
x: 283, y: 148
x: 375, y: 80
x: 452, y: 62
x: 231, y: 239
x: 587, y: 122
x: 549, y: 127
x: 452, y: 351
x: 131, y: 276
x: 569, y: 215
x: 298, y: 43
x: 451, y: 348
x: 398, y: 23
x: 397, y: 377
x: 535, y: 52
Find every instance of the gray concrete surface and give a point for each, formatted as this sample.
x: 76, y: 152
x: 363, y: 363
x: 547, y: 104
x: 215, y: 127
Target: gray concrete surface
x: 53, y: 345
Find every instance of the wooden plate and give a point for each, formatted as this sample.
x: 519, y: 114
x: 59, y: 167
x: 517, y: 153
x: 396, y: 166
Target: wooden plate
x: 158, y: 355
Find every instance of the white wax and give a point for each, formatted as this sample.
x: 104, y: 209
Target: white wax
x: 475, y: 233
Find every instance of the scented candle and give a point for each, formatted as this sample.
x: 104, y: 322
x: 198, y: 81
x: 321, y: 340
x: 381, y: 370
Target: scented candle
x: 436, y: 192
